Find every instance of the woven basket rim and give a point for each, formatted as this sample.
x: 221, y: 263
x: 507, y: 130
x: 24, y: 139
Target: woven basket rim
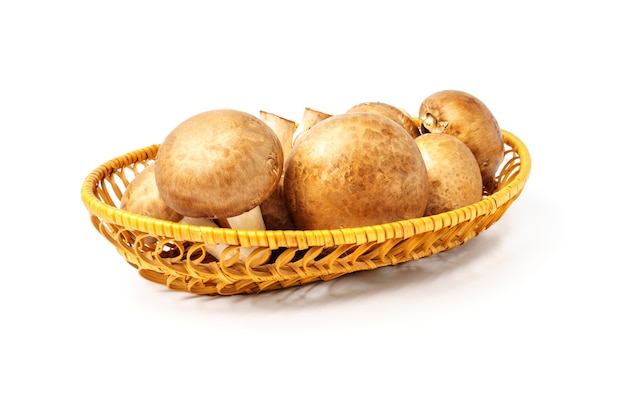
x: 293, y: 238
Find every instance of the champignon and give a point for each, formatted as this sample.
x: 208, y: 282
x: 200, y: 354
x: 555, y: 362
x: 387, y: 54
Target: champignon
x: 396, y: 114
x: 220, y: 164
x: 467, y: 118
x: 453, y: 173
x: 352, y: 170
x: 142, y: 197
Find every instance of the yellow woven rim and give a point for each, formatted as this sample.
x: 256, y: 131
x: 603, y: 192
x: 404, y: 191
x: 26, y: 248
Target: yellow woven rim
x: 174, y: 254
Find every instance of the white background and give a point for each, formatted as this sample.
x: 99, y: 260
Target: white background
x: 528, y: 319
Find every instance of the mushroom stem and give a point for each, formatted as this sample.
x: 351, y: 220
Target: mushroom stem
x: 310, y: 117
x: 274, y: 211
x: 215, y: 250
x: 284, y: 129
x: 218, y: 249
x: 249, y: 220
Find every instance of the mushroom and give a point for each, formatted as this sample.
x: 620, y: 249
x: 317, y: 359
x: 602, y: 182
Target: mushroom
x: 310, y: 117
x: 453, y: 173
x: 142, y: 197
x: 396, y: 114
x: 275, y: 213
x: 352, y: 170
x: 464, y: 116
x: 220, y: 165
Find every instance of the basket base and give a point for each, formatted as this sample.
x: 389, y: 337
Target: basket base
x: 237, y: 288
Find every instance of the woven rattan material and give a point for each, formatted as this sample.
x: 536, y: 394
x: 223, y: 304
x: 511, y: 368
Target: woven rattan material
x: 175, y: 255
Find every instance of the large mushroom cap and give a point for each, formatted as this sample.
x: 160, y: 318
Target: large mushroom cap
x: 218, y: 164
x: 352, y: 170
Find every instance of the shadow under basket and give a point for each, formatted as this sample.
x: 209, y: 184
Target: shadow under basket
x: 176, y: 255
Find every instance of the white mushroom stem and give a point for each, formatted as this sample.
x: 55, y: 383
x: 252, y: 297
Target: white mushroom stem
x: 310, y: 118
x: 249, y: 220
x: 218, y: 249
x: 284, y: 129
x: 275, y: 213
x: 215, y: 250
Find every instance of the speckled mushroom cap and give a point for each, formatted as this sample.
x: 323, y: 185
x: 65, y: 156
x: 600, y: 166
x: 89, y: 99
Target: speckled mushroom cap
x: 353, y: 170
x: 218, y: 164
x: 467, y: 118
x: 394, y: 113
x: 453, y: 172
x: 142, y: 197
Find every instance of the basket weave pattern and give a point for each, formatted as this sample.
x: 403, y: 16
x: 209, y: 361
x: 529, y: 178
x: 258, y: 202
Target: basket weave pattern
x: 175, y: 255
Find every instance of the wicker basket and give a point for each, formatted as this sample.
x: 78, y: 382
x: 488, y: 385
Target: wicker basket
x: 174, y: 254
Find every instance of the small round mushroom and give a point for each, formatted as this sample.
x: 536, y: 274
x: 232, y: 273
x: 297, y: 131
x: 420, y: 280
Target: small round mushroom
x: 142, y: 197
x: 453, y: 173
x: 352, y: 170
x: 396, y: 114
x: 220, y: 164
x: 464, y: 116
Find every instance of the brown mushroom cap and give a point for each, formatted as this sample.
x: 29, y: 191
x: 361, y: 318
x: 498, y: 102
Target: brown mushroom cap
x: 355, y: 169
x: 218, y: 164
x: 464, y: 116
x: 142, y: 197
x: 394, y: 113
x: 453, y: 173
